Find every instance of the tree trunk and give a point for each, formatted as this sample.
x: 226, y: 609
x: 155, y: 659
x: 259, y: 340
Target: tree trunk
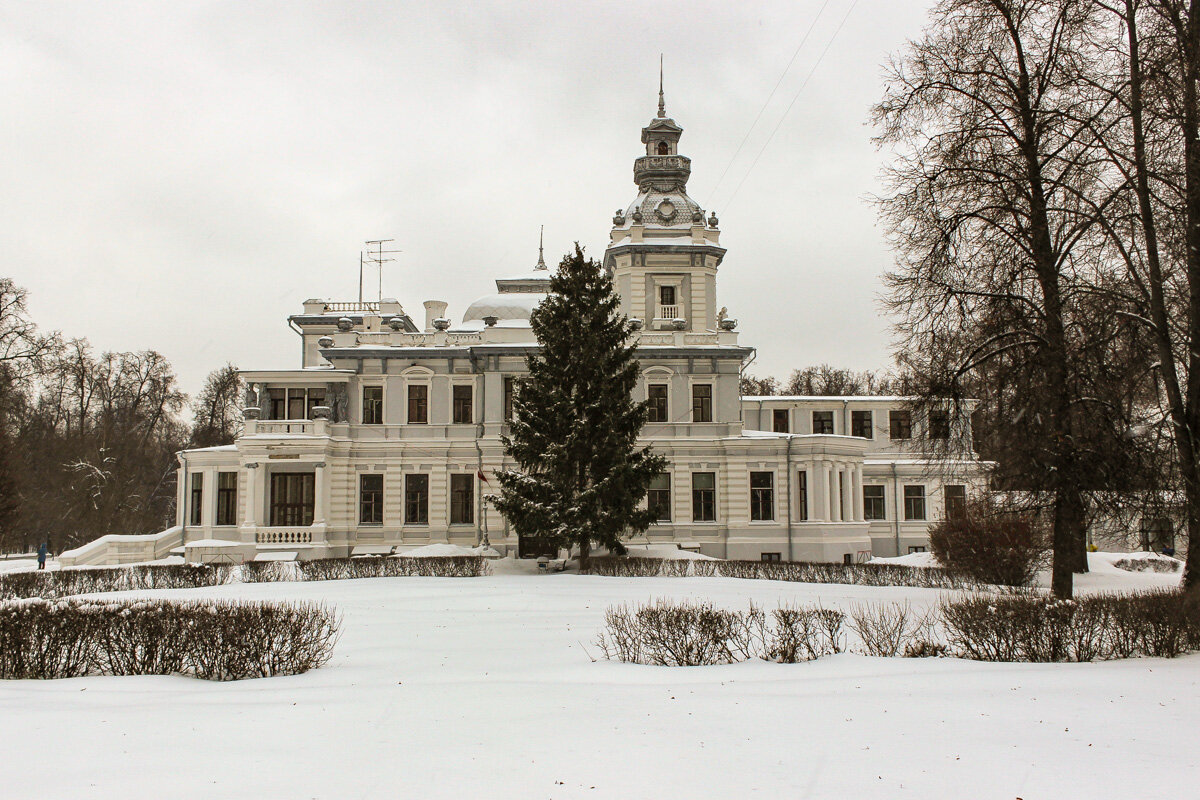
x: 1190, y: 51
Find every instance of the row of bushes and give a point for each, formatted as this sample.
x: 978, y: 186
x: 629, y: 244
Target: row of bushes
x: 214, y: 640
x: 671, y: 634
x: 795, y: 571
x: 1034, y: 628
x: 69, y: 582
x: 1094, y: 628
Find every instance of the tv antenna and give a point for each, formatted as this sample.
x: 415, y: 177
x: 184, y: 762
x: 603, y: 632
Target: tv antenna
x: 377, y: 254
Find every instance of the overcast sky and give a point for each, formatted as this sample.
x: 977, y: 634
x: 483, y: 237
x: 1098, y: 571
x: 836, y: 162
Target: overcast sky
x: 181, y: 176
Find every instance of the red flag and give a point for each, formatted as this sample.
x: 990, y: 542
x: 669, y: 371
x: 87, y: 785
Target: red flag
x: 481, y: 476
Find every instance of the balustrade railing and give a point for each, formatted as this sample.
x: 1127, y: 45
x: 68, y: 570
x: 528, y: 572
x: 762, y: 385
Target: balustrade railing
x: 279, y: 426
x: 668, y: 312
x: 353, y: 305
x: 283, y: 536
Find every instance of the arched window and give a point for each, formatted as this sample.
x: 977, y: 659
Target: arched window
x: 664, y: 149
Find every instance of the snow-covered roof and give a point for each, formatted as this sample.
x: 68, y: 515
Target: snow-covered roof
x: 507, y: 306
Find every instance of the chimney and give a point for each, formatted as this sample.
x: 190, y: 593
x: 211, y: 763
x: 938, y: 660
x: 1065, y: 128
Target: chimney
x: 434, y: 309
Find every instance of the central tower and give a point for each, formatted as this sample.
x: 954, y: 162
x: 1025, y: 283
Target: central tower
x: 663, y: 253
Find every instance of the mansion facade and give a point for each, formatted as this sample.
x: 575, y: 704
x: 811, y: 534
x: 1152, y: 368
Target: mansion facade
x: 387, y: 435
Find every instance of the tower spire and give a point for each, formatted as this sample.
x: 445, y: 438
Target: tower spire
x: 541, y: 260
x: 662, y: 105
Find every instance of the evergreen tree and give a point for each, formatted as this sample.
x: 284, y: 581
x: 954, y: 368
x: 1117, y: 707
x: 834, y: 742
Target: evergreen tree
x: 581, y: 476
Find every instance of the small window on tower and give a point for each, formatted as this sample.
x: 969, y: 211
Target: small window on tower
x: 664, y: 149
x: 666, y: 295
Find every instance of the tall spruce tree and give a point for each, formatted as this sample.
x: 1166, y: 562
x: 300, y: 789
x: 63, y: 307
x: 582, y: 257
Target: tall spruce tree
x: 581, y: 475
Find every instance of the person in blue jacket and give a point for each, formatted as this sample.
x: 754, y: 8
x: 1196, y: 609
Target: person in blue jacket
x: 42, y: 552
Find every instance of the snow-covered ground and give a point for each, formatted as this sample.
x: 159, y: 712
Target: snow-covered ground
x: 484, y: 688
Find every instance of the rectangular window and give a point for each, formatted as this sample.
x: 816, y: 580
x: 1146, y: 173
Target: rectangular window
x: 874, y: 507
x: 277, y: 398
x: 372, y: 408
x: 939, y: 424
x: 658, y: 498
x: 297, y: 404
x: 862, y: 424
x: 510, y: 384
x: 416, y: 499
x: 418, y: 404
x: 370, y: 499
x: 762, y: 496
x: 802, y: 494
x: 772, y: 557
x: 197, y: 498
x: 779, y: 420
x: 822, y: 421
x: 955, y: 499
x: 227, y: 498
x: 914, y: 502
x: 292, y: 498
x: 899, y: 424
x: 462, y: 405
x: 702, y: 402
x: 656, y: 402
x: 666, y: 295
x: 916, y: 549
x: 462, y: 499
x: 704, y: 497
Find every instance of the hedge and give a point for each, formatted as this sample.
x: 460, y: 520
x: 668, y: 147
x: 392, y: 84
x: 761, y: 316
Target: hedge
x: 69, y: 582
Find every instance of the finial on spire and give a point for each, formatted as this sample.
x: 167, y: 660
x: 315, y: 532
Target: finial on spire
x: 662, y: 105
x: 541, y: 260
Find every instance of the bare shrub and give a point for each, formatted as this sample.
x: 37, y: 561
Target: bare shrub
x: 992, y: 544
x: 885, y: 628
x: 1098, y: 627
x: 804, y: 634
x: 216, y: 640
x: 675, y: 634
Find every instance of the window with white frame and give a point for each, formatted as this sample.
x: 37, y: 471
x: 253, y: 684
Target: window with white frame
x: 462, y: 499
x: 874, y: 507
x: 461, y: 404
x: 704, y: 497
x: 370, y: 499
x: 657, y: 409
x: 372, y: 405
x: 762, y: 496
x: 658, y: 497
x: 914, y: 502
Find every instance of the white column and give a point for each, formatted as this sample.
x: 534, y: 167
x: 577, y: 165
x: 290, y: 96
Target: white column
x: 818, y: 496
x: 319, y: 493
x: 252, y: 495
x: 846, y: 484
x: 859, y: 515
x: 831, y: 476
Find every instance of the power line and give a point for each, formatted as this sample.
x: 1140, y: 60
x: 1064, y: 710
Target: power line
x: 795, y: 97
x: 758, y: 116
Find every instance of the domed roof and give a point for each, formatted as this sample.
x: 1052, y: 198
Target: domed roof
x: 507, y: 306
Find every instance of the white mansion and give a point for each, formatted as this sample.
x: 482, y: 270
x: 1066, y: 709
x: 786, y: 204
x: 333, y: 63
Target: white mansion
x: 387, y: 435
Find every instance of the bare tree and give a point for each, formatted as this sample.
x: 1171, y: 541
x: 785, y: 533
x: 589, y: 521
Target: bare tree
x: 991, y: 209
x: 217, y: 409
x: 1152, y: 146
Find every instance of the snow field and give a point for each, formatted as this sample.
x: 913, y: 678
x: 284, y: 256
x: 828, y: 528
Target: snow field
x: 483, y: 687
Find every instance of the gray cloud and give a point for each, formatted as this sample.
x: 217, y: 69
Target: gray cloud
x: 182, y: 176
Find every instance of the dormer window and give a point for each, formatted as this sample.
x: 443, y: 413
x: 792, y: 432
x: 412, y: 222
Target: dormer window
x: 664, y: 149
